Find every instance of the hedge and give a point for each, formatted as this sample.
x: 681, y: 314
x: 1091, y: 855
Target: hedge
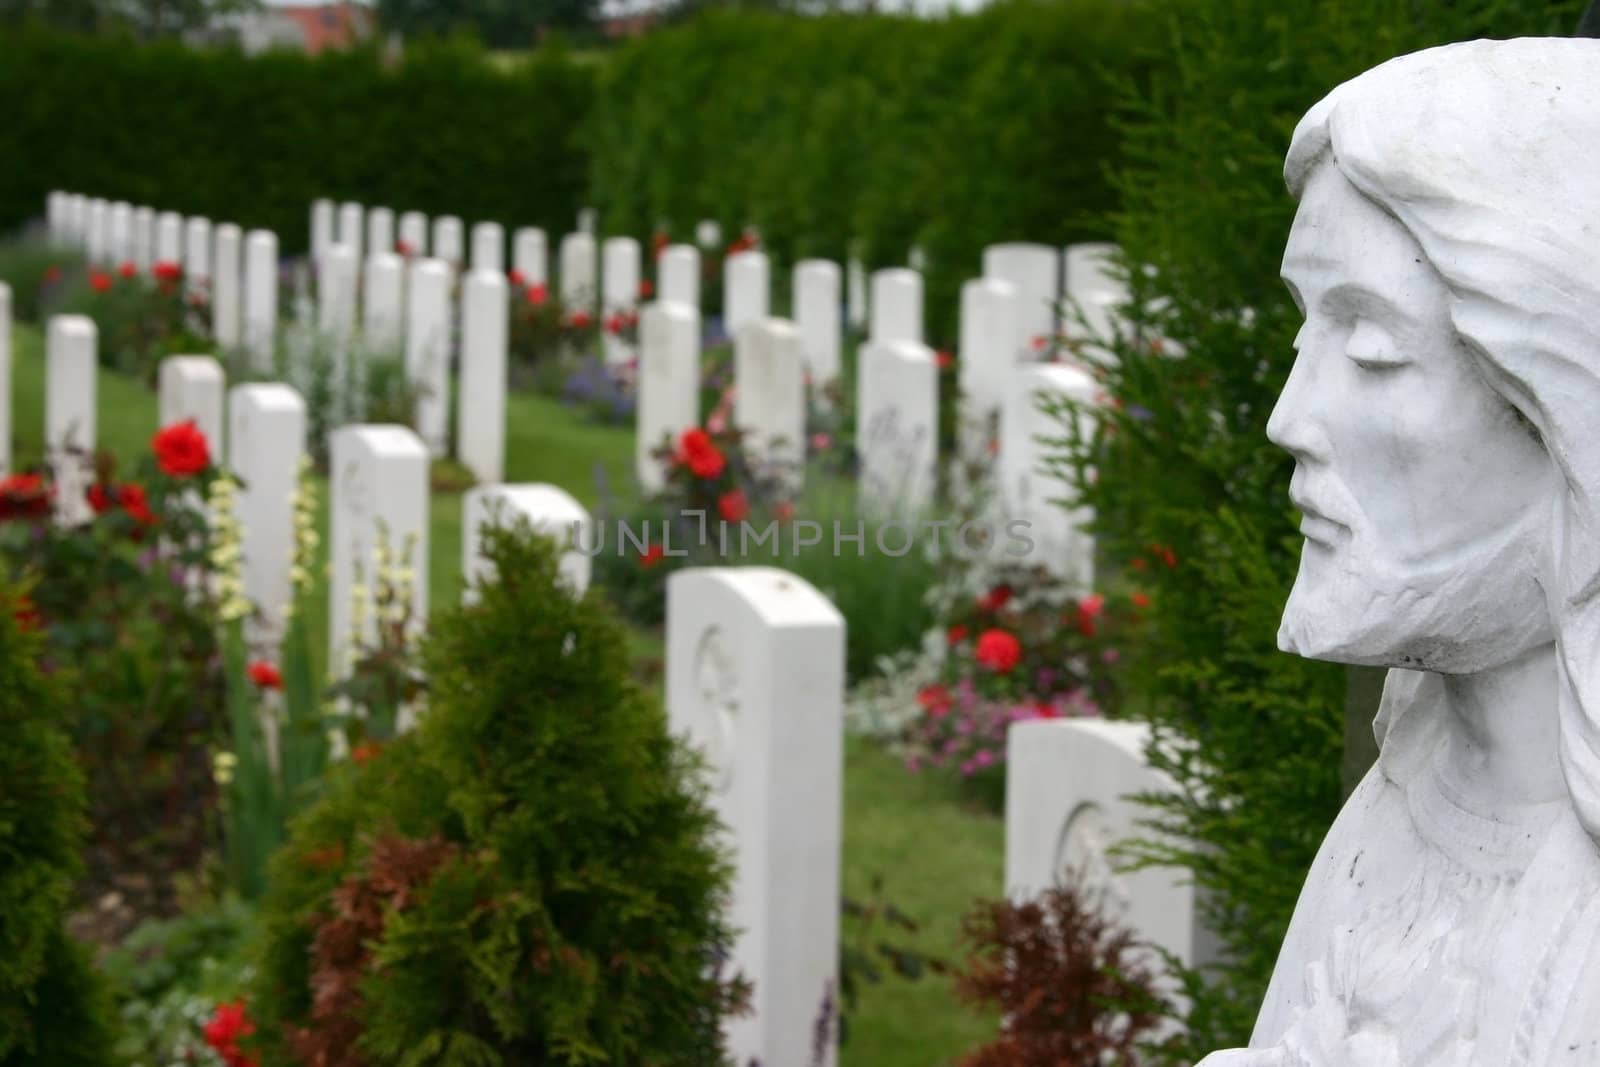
x: 255, y: 141
x: 829, y: 133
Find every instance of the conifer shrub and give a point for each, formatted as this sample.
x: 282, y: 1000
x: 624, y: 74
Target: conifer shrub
x: 527, y: 878
x: 53, y: 1009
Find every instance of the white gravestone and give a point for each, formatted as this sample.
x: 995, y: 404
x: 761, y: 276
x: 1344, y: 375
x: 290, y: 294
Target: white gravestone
x: 1029, y: 491
x: 708, y: 234
x: 769, y: 399
x: 144, y: 238
x: 227, y: 274
x: 488, y: 247
x: 55, y: 216
x: 383, y: 302
x: 917, y: 259
x: 69, y: 413
x: 192, y: 388
x: 856, y: 296
x: 322, y: 233
x: 197, y: 254
x: 379, y: 476
x: 352, y: 222
x: 991, y: 339
x: 481, y: 410
x: 266, y: 438
x: 669, y: 384
x: 678, y: 275
x: 530, y: 255
x: 1095, y: 292
x: 336, y: 306
x: 119, y: 230
x: 77, y: 219
x: 746, y: 289
x: 169, y: 238
x: 896, y: 305
x: 414, y: 233
x: 380, y: 231
x: 897, y: 427
x: 619, y: 290
x: 5, y: 379
x: 428, y: 348
x: 261, y: 298
x: 816, y: 313
x: 588, y: 221
x: 1069, y: 799
x: 578, y: 289
x: 548, y: 509
x: 97, y: 241
x: 447, y: 240
x: 1036, y: 272
x: 755, y: 681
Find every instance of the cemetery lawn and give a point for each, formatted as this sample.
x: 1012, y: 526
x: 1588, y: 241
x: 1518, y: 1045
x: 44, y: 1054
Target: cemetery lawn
x: 933, y: 854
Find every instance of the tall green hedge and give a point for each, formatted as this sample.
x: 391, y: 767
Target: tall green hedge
x: 1191, y: 498
x: 255, y: 141
x: 881, y: 131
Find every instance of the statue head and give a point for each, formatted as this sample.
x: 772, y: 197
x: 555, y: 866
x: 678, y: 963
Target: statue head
x: 1444, y: 406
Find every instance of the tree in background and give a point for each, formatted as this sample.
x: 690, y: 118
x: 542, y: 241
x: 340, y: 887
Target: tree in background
x: 1190, y: 497
x: 497, y: 23
x: 146, y: 18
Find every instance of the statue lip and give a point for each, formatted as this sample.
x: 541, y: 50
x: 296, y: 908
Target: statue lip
x: 1316, y: 524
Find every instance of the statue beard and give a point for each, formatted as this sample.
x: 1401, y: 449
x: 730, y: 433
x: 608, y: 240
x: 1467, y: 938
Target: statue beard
x: 1460, y: 613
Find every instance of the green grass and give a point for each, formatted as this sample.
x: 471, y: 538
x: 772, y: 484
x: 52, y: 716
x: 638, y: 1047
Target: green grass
x: 934, y: 855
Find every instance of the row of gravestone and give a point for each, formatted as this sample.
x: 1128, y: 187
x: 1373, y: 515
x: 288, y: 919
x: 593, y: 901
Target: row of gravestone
x: 755, y: 679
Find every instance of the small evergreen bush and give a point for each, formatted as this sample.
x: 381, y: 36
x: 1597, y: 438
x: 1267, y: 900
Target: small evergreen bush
x: 53, y: 1008
x: 528, y: 878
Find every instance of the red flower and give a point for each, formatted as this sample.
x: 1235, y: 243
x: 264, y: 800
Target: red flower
x: 945, y: 360
x: 517, y: 278
x: 24, y: 496
x: 614, y: 323
x: 652, y: 556
x: 733, y: 506
x: 658, y: 244
x: 956, y: 634
x: 1164, y: 554
x: 100, y: 498
x: 743, y: 244
x: 365, y: 752
x: 1039, y: 342
x: 1089, y: 609
x: 99, y: 281
x: 696, y: 451
x: 403, y: 247
x: 181, y: 449
x: 1141, y: 600
x: 128, y: 270
x: 265, y: 675
x: 227, y: 1025
x: 27, y: 614
x: 136, y: 504
x: 998, y: 651
x: 166, y: 271
x: 783, y: 511
x: 1140, y: 563
x: 935, y: 701
x: 645, y: 289
x: 52, y: 275
x: 995, y: 599
x: 579, y: 320
x: 537, y: 294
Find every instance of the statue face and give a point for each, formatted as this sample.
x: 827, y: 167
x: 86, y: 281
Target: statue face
x: 1425, y: 495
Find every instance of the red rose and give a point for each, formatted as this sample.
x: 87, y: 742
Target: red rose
x: 783, y: 511
x: 27, y: 614
x: 579, y: 320
x: 537, y: 294
x: 228, y: 1024
x: 998, y: 651
x: 24, y: 496
x: 696, y: 451
x: 935, y: 701
x: 99, y: 281
x: 658, y: 244
x: 100, y: 498
x: 733, y: 506
x: 1089, y: 609
x: 128, y: 270
x: 652, y: 556
x: 517, y: 278
x: 945, y: 360
x: 403, y: 247
x: 136, y: 503
x: 995, y: 599
x: 1165, y: 555
x: 365, y: 752
x: 52, y: 275
x: 955, y: 635
x: 166, y: 271
x: 181, y: 449
x: 614, y: 323
x: 645, y: 289
x: 265, y: 675
x: 1141, y: 600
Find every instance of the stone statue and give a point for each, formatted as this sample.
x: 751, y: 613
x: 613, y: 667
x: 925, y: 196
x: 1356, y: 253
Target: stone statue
x: 1444, y: 416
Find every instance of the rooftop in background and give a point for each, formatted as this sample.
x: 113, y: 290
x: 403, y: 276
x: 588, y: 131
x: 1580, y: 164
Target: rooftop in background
x: 311, y: 28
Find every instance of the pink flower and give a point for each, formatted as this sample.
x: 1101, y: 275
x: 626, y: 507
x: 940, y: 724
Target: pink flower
x: 820, y: 441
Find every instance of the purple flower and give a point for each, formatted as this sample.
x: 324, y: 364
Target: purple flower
x: 984, y: 757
